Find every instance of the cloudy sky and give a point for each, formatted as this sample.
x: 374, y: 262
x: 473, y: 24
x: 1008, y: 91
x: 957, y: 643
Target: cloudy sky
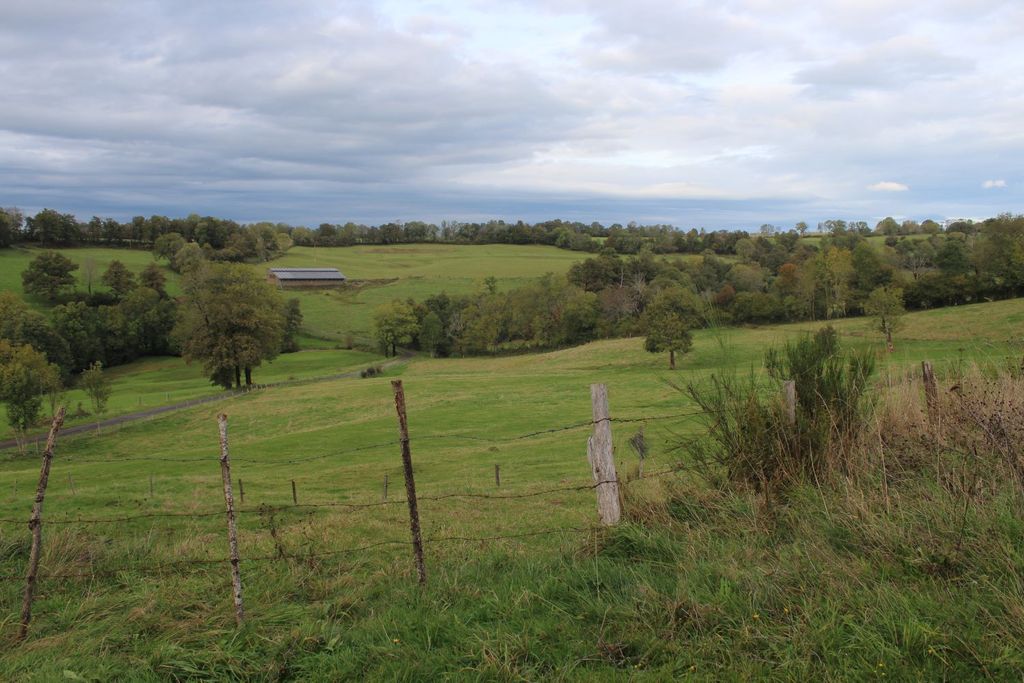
x: 727, y: 113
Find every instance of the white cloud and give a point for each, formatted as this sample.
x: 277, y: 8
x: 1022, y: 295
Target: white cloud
x: 888, y: 186
x: 991, y: 184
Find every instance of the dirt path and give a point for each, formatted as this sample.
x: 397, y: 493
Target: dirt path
x: 152, y: 412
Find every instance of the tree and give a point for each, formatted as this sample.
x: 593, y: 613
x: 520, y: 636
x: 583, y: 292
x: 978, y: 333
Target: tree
x: 48, y: 275
x: 885, y: 305
x: 668, y: 319
x: 119, y: 279
x: 89, y: 273
x: 292, y: 324
x: 25, y: 377
x: 8, y: 231
x: 431, y: 333
x: 229, y: 319
x: 154, y: 278
x: 167, y: 246
x: 395, y: 324
x: 96, y: 386
x: 187, y: 259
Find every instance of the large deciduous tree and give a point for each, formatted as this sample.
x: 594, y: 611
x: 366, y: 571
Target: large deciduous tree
x: 230, y: 320
x: 49, y: 275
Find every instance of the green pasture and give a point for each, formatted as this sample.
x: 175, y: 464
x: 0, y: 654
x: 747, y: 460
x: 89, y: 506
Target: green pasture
x: 379, y: 274
x: 640, y: 602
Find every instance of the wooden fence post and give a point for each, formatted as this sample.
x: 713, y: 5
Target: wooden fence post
x: 410, y: 483
x: 35, y: 524
x: 931, y: 391
x: 497, y: 475
x: 295, y: 494
x: 789, y: 397
x: 385, y: 487
x: 229, y: 504
x: 241, y: 491
x: 601, y: 457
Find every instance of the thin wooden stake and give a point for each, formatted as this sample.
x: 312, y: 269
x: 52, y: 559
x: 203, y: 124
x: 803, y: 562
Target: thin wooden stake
x: 229, y: 504
x: 789, y: 397
x: 410, y: 483
x: 295, y: 494
x: 601, y: 457
x: 35, y: 524
x: 385, y: 487
x: 497, y: 475
x: 241, y: 490
x: 931, y: 391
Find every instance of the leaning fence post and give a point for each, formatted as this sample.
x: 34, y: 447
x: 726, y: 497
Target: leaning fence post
x: 295, y: 494
x: 229, y: 504
x: 789, y: 396
x: 35, y: 524
x: 931, y: 391
x: 410, y: 483
x: 601, y: 457
x: 497, y: 475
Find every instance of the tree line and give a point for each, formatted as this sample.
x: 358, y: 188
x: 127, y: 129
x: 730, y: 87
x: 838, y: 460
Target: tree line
x: 227, y: 240
x: 778, y: 277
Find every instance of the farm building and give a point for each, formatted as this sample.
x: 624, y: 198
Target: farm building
x: 295, y: 278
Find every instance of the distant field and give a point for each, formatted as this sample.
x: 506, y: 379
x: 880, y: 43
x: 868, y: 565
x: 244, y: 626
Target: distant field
x: 387, y: 272
x: 336, y: 440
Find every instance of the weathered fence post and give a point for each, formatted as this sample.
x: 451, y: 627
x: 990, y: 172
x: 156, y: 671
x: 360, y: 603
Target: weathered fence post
x: 410, y: 483
x: 601, y: 457
x: 229, y: 504
x: 295, y: 494
x: 241, y: 491
x: 35, y: 524
x: 931, y: 391
x: 385, y: 487
x: 789, y: 397
x: 497, y: 475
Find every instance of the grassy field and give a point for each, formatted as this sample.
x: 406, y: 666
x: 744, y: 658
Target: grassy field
x: 155, y: 382
x: 713, y: 597
x: 382, y: 273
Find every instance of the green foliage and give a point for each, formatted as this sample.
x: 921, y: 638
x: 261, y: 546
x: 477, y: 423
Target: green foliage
x: 885, y: 306
x: 187, y: 259
x: 750, y: 439
x: 167, y: 246
x: 431, y: 333
x: 668, y: 320
x: 292, y: 324
x: 230, y: 319
x: 395, y: 323
x: 95, y: 383
x: 119, y: 279
x: 25, y: 377
x: 49, y: 275
x: 153, y: 278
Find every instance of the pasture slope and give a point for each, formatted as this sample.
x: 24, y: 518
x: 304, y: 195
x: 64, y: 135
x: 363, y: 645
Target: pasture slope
x: 712, y: 586
x: 379, y: 274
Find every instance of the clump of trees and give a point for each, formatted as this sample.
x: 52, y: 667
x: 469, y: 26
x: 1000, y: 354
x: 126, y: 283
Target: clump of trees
x: 25, y: 378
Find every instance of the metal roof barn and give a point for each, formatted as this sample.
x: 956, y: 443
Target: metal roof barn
x: 305, y: 277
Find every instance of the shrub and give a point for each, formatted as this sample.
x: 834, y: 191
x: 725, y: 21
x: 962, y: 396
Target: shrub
x: 750, y: 439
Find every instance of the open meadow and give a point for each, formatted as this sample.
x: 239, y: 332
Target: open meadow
x: 521, y: 586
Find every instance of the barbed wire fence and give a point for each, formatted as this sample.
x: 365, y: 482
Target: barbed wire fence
x: 605, y: 482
